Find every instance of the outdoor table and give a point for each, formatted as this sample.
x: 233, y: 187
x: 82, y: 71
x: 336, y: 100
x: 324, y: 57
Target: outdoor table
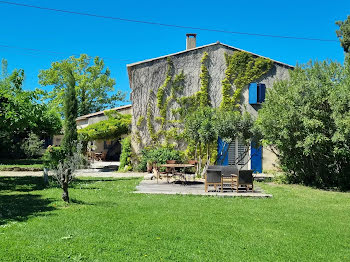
x: 98, y: 156
x: 174, y: 166
x: 177, y: 165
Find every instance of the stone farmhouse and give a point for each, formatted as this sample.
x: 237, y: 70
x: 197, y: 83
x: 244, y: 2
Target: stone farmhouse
x: 110, y: 149
x: 147, y: 77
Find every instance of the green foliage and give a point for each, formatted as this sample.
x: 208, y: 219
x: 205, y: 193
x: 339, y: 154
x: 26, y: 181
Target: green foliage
x: 32, y: 146
x: 170, y: 86
x: 125, y: 157
x: 344, y: 33
x: 161, y: 91
x: 140, y: 121
x: 188, y: 104
x: 159, y: 155
x: 307, y: 120
x: 150, y: 126
x: 242, y: 69
x: 200, y: 131
x: 70, y: 115
x: 93, y: 84
x: 53, y: 156
x: 21, y: 113
x: 204, y: 78
x: 112, y: 128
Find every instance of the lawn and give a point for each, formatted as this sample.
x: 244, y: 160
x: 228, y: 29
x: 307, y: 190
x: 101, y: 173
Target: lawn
x: 106, y: 222
x: 23, y: 164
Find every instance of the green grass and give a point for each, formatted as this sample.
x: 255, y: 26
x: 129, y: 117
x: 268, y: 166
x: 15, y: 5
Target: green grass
x: 6, y: 164
x: 106, y: 222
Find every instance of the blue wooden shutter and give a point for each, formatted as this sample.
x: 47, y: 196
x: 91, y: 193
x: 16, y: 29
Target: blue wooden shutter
x: 253, y: 93
x: 256, y: 158
x: 222, y: 152
x: 261, y: 90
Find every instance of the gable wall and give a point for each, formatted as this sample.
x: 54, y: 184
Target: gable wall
x: 150, y: 75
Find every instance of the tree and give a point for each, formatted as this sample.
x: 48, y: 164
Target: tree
x: 21, y: 113
x: 32, y: 145
x: 307, y: 120
x: 344, y: 33
x: 200, y: 131
x: 64, y: 172
x: 66, y: 167
x: 93, y: 84
x: 70, y: 137
x: 230, y: 125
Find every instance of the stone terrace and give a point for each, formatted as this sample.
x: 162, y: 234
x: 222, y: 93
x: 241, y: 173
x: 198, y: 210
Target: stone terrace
x: 192, y: 188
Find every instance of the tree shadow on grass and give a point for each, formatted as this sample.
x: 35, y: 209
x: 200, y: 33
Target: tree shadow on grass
x: 21, y: 184
x: 18, y: 207
x: 16, y: 202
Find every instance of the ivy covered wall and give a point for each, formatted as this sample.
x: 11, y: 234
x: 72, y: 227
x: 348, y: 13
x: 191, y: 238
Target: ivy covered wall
x: 162, y: 88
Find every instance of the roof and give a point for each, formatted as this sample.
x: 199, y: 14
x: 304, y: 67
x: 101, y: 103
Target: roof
x: 102, y: 112
x: 204, y: 46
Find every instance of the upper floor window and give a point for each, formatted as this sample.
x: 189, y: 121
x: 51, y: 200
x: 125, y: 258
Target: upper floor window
x: 256, y: 93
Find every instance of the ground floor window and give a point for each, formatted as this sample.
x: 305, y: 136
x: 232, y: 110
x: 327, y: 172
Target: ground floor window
x: 238, y: 153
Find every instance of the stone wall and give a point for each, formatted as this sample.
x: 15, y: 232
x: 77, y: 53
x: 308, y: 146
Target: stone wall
x: 148, y: 76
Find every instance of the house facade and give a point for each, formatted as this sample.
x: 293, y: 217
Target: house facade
x: 148, y: 83
x: 110, y: 149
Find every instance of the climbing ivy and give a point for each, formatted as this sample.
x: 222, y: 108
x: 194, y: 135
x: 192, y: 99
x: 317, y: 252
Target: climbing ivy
x: 150, y: 126
x: 203, y: 94
x: 125, y: 156
x: 191, y: 103
x: 242, y: 69
x: 161, y: 91
x: 140, y: 121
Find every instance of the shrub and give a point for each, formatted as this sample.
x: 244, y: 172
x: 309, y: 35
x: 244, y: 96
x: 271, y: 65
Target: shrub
x: 32, y: 145
x: 125, y: 157
x: 159, y: 155
x: 306, y: 119
x: 53, y: 156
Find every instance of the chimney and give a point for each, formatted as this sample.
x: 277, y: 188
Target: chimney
x: 190, y: 41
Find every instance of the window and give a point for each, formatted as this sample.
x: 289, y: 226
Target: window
x: 256, y: 93
x: 237, y: 153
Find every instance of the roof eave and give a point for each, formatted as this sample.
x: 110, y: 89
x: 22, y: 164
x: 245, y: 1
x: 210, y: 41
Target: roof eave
x: 197, y: 48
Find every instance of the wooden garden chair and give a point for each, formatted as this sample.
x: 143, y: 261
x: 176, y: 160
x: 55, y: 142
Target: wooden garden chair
x: 244, y: 179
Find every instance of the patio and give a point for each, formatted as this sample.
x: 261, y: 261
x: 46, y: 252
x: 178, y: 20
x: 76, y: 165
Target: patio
x: 191, y: 188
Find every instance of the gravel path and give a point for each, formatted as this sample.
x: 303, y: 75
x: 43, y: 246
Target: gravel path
x: 78, y: 174
x: 97, y: 169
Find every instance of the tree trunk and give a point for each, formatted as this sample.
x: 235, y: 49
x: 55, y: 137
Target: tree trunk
x: 199, y: 159
x: 204, y: 171
x: 64, y: 183
x: 46, y: 176
x: 196, y: 158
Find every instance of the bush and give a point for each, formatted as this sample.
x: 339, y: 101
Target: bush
x: 53, y: 156
x: 32, y: 146
x: 159, y: 155
x: 306, y: 119
x: 125, y: 157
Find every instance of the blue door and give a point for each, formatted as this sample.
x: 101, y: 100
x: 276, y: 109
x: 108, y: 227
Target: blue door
x: 222, y: 152
x: 256, y: 158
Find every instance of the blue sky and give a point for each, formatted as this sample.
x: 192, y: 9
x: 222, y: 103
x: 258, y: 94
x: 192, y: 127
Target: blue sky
x: 121, y: 43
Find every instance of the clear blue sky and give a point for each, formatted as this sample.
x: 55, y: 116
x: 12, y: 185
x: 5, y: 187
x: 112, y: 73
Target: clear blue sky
x: 122, y: 43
